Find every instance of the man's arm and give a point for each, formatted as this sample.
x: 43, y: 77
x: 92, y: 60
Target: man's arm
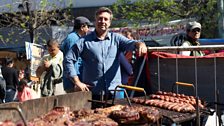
x: 41, y: 68
x: 69, y: 60
x: 128, y: 44
x: 79, y: 84
x: 141, y: 48
x: 39, y: 71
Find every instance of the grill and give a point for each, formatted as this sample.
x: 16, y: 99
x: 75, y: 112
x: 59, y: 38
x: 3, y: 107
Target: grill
x: 78, y: 100
x: 168, y: 116
x: 15, y: 111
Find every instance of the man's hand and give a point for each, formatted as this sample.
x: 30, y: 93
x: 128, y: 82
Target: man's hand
x: 141, y: 48
x: 79, y: 84
x: 82, y: 86
x: 40, y: 70
x: 47, y: 64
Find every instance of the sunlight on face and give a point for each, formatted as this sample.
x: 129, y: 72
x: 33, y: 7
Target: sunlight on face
x: 103, y: 21
x: 195, y: 33
x: 85, y: 29
x: 53, y: 50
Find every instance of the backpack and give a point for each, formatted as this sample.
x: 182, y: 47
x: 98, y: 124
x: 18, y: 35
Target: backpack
x: 178, y: 39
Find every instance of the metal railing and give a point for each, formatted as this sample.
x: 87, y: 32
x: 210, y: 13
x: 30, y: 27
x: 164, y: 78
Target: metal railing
x: 175, y: 50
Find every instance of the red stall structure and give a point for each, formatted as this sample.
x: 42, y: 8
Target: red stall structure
x: 167, y: 67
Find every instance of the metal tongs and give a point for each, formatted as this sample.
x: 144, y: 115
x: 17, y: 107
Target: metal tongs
x: 104, y: 100
x: 19, y: 110
x: 197, y: 99
x: 138, y: 89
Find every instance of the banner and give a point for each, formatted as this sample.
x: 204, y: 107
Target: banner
x: 34, y: 53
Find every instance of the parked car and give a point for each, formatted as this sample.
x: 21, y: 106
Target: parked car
x: 152, y: 43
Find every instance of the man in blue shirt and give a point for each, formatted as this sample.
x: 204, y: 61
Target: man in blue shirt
x: 99, y: 51
x: 81, y: 28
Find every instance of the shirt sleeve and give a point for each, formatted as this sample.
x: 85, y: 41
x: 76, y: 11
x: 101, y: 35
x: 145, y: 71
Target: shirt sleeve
x: 68, y: 43
x: 71, y: 58
x: 125, y: 44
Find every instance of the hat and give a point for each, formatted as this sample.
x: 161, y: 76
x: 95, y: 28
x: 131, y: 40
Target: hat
x: 82, y: 20
x: 193, y: 25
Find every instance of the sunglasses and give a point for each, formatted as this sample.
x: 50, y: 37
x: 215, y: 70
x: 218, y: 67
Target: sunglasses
x: 196, y: 30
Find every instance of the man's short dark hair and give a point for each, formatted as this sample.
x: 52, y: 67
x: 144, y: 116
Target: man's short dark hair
x: 52, y: 42
x: 76, y: 27
x: 80, y: 21
x: 104, y: 9
x: 8, y: 61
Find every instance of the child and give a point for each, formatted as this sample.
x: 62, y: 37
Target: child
x: 25, y: 92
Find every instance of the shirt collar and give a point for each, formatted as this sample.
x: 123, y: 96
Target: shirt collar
x: 108, y: 36
x: 77, y: 34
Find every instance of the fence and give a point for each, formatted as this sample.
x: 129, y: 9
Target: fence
x: 206, y: 73
x: 166, y: 67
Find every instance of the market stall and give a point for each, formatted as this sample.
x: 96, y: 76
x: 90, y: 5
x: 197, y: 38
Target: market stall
x: 75, y: 109
x: 164, y: 106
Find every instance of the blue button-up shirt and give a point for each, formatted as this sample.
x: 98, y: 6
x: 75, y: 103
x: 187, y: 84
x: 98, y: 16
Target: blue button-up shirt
x: 101, y: 66
x: 67, y: 44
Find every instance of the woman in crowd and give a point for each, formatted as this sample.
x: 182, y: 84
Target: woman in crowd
x: 25, y: 92
x: 10, y: 75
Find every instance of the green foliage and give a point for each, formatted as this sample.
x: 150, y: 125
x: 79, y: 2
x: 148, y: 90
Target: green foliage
x: 33, y: 20
x: 43, y: 4
x: 162, y: 11
x: 9, y: 6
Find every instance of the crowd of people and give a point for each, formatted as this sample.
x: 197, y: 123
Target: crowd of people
x: 14, y: 86
x: 95, y: 61
x: 154, y: 31
x: 84, y: 62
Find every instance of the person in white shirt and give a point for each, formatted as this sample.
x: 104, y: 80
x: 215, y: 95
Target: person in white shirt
x: 52, y: 67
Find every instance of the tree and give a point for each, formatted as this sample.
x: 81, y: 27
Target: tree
x: 162, y: 11
x: 29, y: 19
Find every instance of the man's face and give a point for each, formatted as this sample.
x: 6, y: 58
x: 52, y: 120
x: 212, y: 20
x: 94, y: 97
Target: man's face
x: 103, y: 21
x: 85, y: 29
x: 195, y: 33
x: 53, y: 50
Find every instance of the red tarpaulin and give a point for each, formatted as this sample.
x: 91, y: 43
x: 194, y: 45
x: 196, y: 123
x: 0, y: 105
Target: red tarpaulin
x: 171, y: 55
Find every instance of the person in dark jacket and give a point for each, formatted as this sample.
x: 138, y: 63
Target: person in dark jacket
x: 126, y: 69
x: 2, y: 90
x: 10, y: 75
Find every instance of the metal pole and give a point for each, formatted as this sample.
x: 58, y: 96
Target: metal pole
x: 196, y: 92
x: 30, y: 25
x: 177, y: 73
x: 221, y: 19
x: 190, y: 48
x: 158, y: 68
